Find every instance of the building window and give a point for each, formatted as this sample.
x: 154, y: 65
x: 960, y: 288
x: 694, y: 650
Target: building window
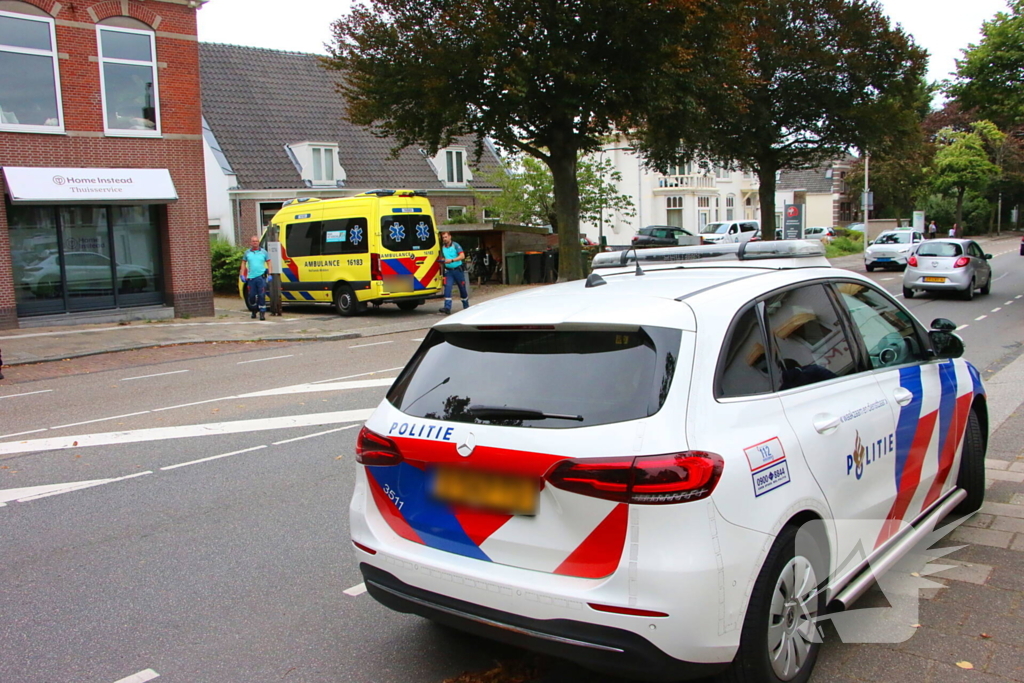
x: 29, y: 77
x: 703, y: 202
x: 491, y: 215
x: 456, y: 212
x: 323, y: 165
x: 675, y: 203
x: 730, y: 207
x: 453, y: 159
x: 128, y: 81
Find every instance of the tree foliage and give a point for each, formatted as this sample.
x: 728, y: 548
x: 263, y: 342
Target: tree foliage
x: 990, y: 77
x: 527, y: 193
x: 549, y: 79
x: 814, y: 79
x: 962, y: 162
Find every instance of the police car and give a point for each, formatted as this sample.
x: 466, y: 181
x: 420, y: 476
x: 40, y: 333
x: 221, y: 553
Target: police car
x: 672, y: 468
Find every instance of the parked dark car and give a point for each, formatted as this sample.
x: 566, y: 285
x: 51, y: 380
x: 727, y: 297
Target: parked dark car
x: 660, y: 236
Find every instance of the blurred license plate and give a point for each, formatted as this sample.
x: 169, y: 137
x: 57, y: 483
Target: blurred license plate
x: 884, y: 259
x: 399, y: 284
x: 935, y: 279
x: 498, y: 492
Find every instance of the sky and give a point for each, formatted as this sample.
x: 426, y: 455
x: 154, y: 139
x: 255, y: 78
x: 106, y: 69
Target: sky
x: 943, y: 27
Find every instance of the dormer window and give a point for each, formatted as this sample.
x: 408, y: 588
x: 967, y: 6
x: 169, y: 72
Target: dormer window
x: 450, y: 164
x: 317, y: 163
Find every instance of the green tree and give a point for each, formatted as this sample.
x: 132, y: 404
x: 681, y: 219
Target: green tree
x: 990, y: 77
x: 815, y: 78
x: 527, y: 192
x: 548, y: 79
x: 962, y: 162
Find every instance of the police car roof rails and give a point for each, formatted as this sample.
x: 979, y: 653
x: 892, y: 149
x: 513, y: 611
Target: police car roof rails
x: 744, y: 251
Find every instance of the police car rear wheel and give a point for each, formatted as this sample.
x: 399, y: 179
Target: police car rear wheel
x: 346, y: 302
x: 971, y: 477
x: 780, y: 642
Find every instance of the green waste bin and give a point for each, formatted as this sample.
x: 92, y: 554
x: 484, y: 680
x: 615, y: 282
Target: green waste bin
x: 514, y: 263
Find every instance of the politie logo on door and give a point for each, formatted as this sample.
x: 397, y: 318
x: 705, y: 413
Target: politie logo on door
x: 768, y: 467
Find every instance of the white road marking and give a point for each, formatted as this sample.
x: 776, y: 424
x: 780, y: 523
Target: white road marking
x: 358, y: 589
x: 212, y: 457
x: 981, y: 317
x: 29, y: 393
x: 962, y: 327
x: 23, y: 495
x: 309, y: 388
x: 101, y: 419
x: 31, y: 431
x: 996, y: 310
x: 1007, y: 303
x: 361, y: 374
x: 260, y: 360
x: 420, y: 339
x: 141, y: 677
x: 886, y: 279
x: 194, y: 403
x: 310, y: 436
x: 183, y: 432
x: 159, y: 374
x: 1018, y: 296
x: 361, y: 346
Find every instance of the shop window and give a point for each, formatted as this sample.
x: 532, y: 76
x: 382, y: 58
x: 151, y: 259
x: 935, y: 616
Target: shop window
x: 29, y: 76
x: 128, y: 81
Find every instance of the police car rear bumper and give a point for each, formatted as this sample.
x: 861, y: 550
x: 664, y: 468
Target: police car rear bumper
x: 602, y: 648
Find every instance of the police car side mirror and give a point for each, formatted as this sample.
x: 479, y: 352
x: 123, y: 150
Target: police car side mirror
x: 943, y: 325
x: 946, y: 344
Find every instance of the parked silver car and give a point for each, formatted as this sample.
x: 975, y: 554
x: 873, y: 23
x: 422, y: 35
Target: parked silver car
x: 891, y: 249
x: 948, y: 265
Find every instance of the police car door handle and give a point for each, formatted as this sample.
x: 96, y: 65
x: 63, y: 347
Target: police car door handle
x: 903, y: 396
x: 826, y: 424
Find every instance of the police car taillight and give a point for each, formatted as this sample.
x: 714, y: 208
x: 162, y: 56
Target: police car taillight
x: 643, y: 480
x: 376, y: 450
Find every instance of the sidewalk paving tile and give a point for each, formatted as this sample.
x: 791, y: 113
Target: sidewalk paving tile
x: 1011, y: 524
x: 1008, y: 660
x: 1004, y: 510
x: 996, y: 464
x: 1018, y: 544
x: 1016, y: 477
x: 996, y: 539
x: 980, y: 521
x: 969, y: 572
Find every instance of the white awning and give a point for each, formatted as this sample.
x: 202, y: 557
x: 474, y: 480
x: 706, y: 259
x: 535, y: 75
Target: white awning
x: 89, y: 185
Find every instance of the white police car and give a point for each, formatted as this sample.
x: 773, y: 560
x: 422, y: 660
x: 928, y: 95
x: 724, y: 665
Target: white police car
x: 615, y: 471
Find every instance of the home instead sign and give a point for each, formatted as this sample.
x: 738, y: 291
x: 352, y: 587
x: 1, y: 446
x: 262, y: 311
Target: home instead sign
x: 89, y: 185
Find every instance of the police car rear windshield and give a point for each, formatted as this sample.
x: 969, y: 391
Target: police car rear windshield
x: 548, y: 379
x: 407, y: 232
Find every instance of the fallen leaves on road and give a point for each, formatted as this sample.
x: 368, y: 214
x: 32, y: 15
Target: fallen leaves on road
x: 965, y: 665
x: 915, y: 626
x: 512, y: 671
x: 985, y: 635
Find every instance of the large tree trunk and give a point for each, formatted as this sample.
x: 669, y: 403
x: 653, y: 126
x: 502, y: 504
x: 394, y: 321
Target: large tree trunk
x: 562, y: 162
x: 766, y: 197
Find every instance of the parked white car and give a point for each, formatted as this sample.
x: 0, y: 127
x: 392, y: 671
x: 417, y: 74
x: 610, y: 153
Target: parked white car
x: 891, y: 249
x: 729, y: 232
x: 653, y: 475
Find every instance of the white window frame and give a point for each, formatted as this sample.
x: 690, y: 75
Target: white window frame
x: 440, y: 164
x: 327, y: 158
x: 29, y: 127
x: 455, y: 166
x: 121, y: 132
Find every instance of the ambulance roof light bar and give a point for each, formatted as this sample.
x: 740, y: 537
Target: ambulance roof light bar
x: 391, y: 193
x: 744, y: 251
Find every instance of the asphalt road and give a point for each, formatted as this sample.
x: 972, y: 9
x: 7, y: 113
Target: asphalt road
x: 187, y: 517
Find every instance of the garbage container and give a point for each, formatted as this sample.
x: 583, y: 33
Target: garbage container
x: 549, y: 271
x: 514, y: 267
x: 535, y: 267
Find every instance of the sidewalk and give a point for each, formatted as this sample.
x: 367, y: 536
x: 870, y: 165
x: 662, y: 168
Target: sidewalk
x: 232, y: 323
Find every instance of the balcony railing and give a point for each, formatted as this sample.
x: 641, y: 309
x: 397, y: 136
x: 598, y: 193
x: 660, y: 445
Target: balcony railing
x: 692, y: 182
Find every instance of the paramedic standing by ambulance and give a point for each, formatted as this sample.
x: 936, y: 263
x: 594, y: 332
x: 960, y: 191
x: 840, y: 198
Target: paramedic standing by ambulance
x: 255, y: 265
x: 454, y: 260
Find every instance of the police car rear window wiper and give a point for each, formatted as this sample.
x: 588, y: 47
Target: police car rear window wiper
x: 486, y: 412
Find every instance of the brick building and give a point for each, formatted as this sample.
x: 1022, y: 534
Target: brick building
x: 101, y: 146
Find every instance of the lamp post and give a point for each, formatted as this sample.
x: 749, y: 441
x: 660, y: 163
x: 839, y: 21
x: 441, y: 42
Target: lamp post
x: 867, y: 163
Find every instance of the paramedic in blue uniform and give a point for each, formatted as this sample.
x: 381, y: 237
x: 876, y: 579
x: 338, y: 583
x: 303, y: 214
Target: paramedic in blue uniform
x: 255, y: 265
x: 454, y: 260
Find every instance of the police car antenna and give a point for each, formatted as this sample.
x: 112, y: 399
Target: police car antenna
x: 444, y: 381
x: 625, y: 260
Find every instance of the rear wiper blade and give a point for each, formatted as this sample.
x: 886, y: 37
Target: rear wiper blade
x: 486, y: 412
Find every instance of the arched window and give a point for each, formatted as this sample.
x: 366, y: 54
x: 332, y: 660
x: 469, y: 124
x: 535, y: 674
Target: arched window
x: 730, y: 205
x: 128, y: 78
x: 29, y: 75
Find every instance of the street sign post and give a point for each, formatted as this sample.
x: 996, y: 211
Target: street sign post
x: 793, y: 222
x: 276, y: 265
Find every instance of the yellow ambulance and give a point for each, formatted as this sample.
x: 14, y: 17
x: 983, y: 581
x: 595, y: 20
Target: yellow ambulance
x: 377, y: 247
